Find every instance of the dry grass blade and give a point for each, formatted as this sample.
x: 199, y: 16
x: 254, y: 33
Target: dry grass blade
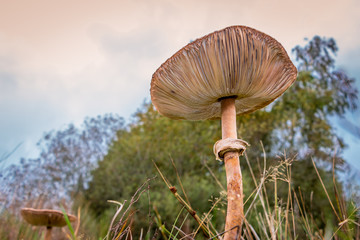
x: 303, y: 215
x: 288, y: 202
x: 206, y: 216
x: 340, y: 202
x: 185, y: 236
x: 326, y: 192
x: 162, y: 176
x: 258, y: 190
x: 258, y: 187
x: 254, y: 234
x: 115, y: 216
x: 179, y: 180
x: 141, y: 234
x: 222, y: 233
x: 188, y: 208
x: 78, y: 221
x: 214, y: 176
x: 118, y: 230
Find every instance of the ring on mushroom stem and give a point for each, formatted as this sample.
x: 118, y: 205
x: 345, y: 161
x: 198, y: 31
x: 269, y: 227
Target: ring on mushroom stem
x: 230, y: 72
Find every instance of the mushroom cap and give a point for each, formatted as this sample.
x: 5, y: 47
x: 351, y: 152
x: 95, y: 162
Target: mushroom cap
x: 45, y: 217
x: 238, y: 62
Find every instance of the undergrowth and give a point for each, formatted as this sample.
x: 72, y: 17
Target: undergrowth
x: 267, y: 216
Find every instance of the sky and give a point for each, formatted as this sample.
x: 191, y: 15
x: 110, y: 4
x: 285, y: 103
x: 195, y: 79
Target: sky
x: 61, y: 61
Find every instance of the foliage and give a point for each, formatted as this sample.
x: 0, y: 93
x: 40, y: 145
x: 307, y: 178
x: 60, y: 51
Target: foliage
x: 319, y: 92
x: 298, y: 122
x: 108, y: 160
x: 333, y: 86
x: 63, y: 167
x: 129, y: 163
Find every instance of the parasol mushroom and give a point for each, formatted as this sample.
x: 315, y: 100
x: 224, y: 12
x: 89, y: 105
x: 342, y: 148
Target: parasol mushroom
x: 230, y: 72
x: 45, y: 217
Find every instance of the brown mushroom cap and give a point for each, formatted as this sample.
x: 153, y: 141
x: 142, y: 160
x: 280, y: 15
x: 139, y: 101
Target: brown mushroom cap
x: 237, y: 61
x: 45, y: 217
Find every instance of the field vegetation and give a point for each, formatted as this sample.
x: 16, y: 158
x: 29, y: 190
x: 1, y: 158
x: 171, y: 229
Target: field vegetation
x: 156, y: 178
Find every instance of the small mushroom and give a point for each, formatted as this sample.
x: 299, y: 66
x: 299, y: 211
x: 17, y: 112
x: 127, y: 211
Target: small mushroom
x: 230, y: 72
x: 45, y: 217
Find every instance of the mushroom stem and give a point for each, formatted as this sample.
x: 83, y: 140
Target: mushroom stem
x: 235, y: 207
x: 48, y: 233
x: 228, y: 118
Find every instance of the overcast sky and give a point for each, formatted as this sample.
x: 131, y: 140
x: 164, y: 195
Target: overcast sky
x: 61, y: 61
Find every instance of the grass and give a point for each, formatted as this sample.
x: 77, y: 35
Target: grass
x: 268, y: 216
x: 284, y: 219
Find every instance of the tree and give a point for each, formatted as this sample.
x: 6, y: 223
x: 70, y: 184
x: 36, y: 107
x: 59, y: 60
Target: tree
x: 66, y: 158
x: 321, y: 91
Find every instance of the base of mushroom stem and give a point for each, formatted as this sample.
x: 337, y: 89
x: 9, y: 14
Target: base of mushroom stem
x: 235, y: 196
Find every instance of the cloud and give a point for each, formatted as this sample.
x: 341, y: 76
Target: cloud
x: 57, y: 68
